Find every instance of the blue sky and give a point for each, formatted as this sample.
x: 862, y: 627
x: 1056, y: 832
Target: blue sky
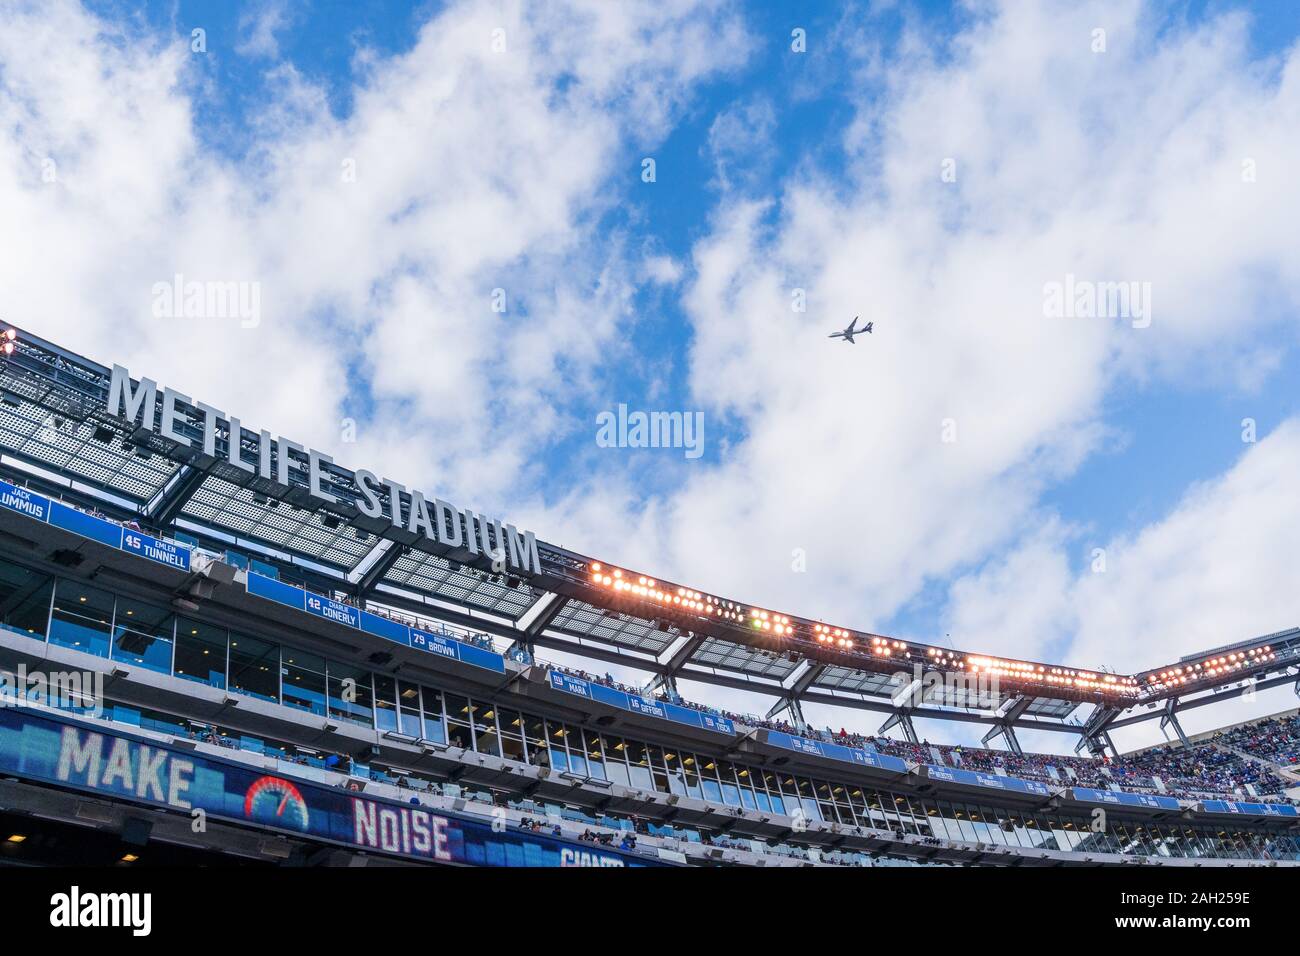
x: 775, y: 170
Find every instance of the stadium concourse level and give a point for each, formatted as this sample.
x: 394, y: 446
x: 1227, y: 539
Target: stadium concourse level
x: 972, y: 835
x: 1235, y: 764
x: 1227, y: 767
x: 499, y: 737
x: 1244, y: 761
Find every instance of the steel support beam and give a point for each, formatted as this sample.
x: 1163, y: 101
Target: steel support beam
x: 1008, y: 734
x: 667, y: 678
x: 1093, y: 734
x: 792, y: 700
x: 379, y: 567
x: 1011, y: 711
x: 166, y: 505
x: 532, y: 622
x: 901, y: 718
x: 1170, y: 719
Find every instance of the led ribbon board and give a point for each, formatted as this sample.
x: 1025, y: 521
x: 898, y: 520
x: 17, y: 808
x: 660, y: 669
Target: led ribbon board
x: 363, y: 620
x: 640, y: 705
x: 68, y: 753
x: 819, y: 748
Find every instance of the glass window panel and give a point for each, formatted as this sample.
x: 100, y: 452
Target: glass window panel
x: 535, y: 737
x: 201, y: 653
x: 730, y: 792
x: 24, y: 600
x: 577, y: 757
x: 303, y: 680
x: 458, y: 735
x: 142, y: 635
x: 434, y: 729
x: 676, y: 772
x: 81, y: 619
x: 350, y: 694
x: 595, y: 755
x: 254, y: 667
x: 639, y: 766
x: 658, y: 775
x: 511, y: 723
x: 512, y: 748
x: 556, y: 732
x: 485, y: 730
x: 691, y: 766
x: 458, y: 708
x: 616, y: 761
x: 385, y: 702
x: 408, y: 705
x: 709, y: 780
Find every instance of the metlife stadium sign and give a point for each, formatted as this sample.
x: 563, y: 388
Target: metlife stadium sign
x: 436, y: 520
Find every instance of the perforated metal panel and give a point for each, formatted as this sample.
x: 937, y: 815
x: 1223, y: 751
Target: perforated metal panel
x: 70, y: 447
x: 232, y: 508
x: 727, y: 655
x: 443, y: 579
x: 613, y: 627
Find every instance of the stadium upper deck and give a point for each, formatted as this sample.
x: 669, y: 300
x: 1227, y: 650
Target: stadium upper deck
x: 167, y: 463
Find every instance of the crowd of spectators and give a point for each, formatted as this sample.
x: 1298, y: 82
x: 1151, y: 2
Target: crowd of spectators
x: 531, y: 825
x: 1276, y: 739
x: 626, y: 841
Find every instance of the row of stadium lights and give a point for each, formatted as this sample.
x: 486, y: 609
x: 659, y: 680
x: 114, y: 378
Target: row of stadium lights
x: 1056, y: 676
x: 8, y: 337
x: 649, y: 589
x: 1212, y: 667
x: 832, y: 637
x: 841, y: 639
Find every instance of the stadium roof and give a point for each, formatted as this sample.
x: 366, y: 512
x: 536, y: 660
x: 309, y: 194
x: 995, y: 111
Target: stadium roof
x: 56, y: 432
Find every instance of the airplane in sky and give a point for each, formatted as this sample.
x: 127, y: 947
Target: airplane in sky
x: 847, y: 334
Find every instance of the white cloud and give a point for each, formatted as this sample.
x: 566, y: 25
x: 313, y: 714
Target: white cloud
x: 1218, y: 569
x: 258, y: 29
x: 377, y: 239
x: 740, y: 143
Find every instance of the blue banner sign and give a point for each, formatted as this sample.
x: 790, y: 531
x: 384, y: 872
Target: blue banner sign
x: 819, y: 748
x: 86, y: 757
x: 375, y: 624
x: 992, y: 781
x: 1250, y: 809
x: 88, y: 526
x: 102, y: 530
x: 334, y: 611
x: 648, y: 706
x: 24, y: 502
x: 1124, y: 799
x: 156, y: 549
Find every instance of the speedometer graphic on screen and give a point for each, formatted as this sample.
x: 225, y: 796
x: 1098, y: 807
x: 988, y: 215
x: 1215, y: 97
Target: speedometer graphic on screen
x: 276, y: 802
